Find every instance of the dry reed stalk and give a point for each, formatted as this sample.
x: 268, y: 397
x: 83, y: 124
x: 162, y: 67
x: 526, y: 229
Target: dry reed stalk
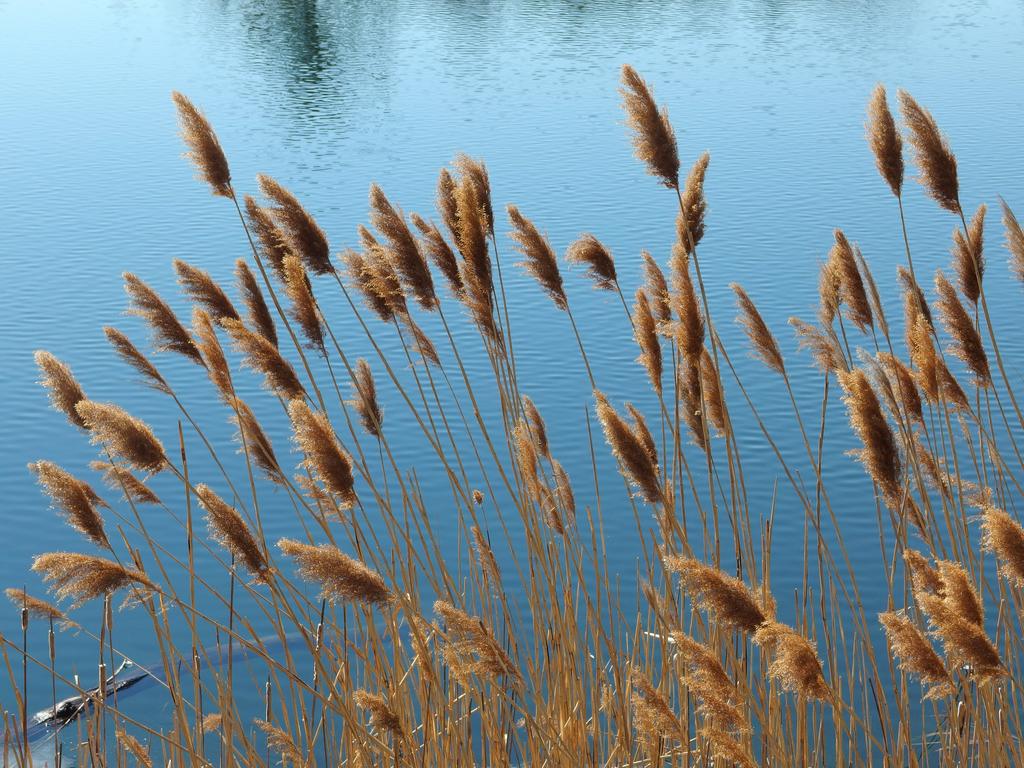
x: 382, y: 716
x: 934, y: 470
x: 40, y: 609
x: 169, y: 335
x: 630, y: 449
x: 935, y: 161
x: 710, y: 385
x: 823, y: 344
x: 852, y: 292
x: 646, y: 332
x: 74, y: 498
x: 340, y: 577
x: 690, y: 221
x: 282, y: 742
x: 733, y: 602
x: 299, y: 231
x: 262, y: 356
x: 471, y: 647
x: 795, y: 662
x: 120, y: 479
x: 258, y: 313
x: 968, y: 255
x: 403, y: 250
x: 213, y: 354
x: 1003, y: 536
x: 885, y: 140
x: 903, y: 386
x: 364, y: 399
x: 303, y: 305
x: 474, y: 172
x: 589, y: 251
x: 657, y: 289
x: 271, y: 239
x: 325, y: 458
x: 968, y: 345
x: 204, y: 148
x: 128, y: 352
x: 229, y: 530
x: 203, y: 289
x: 654, y: 141
x: 916, y: 655
x: 540, y: 261
x: 652, y: 715
x: 123, y: 435
x: 64, y: 390
x: 85, y: 577
x: 440, y: 253
x: 257, y: 444
x: 765, y: 347
x: 879, y: 455
x: 1014, y: 240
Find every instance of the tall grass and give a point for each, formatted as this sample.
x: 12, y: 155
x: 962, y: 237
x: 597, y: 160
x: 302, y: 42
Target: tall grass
x: 524, y: 647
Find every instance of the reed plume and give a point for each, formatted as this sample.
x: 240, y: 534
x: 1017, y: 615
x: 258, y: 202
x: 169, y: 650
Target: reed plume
x: 914, y: 302
x: 710, y: 386
x: 935, y: 161
x: 40, y: 609
x: 1003, y: 536
x: 690, y: 221
x: 652, y: 715
x: 269, y: 237
x: 959, y: 593
x: 281, y: 741
x: 299, y: 231
x: 64, y: 390
x: 874, y: 297
x: 916, y: 655
x: 707, y: 680
x: 363, y: 276
x: 967, y: 341
x: 689, y: 329
x: 765, y: 347
x: 257, y: 444
x: 654, y: 141
x: 657, y: 288
x: 382, y: 716
x: 733, y: 602
x: 540, y: 258
x: 262, y: 356
x: 229, y: 530
x: 74, y: 498
x: 727, y: 748
x: 852, y: 290
x: 965, y: 642
x: 134, y: 746
x: 471, y: 239
x: 830, y: 287
x: 325, y: 457
x: 340, y: 577
x: 688, y: 387
x: 364, y: 399
x: 646, y: 333
x: 589, y: 251
x: 823, y: 345
x: 85, y: 577
x: 123, y: 435
x: 169, y: 335
x: 421, y: 342
x: 120, y: 479
x: 447, y: 204
x: 1014, y: 240
x: 471, y: 647
x: 879, y: 455
x: 538, y: 430
x: 968, y: 255
x: 795, y: 662
x: 257, y: 311
x: 403, y: 249
x: 213, y: 354
x: 485, y: 555
x: 303, y: 306
x: 885, y: 140
x: 630, y: 449
x: 563, y: 489
x: 474, y: 172
x: 923, y: 577
x: 204, y: 148
x: 440, y: 253
x: 203, y: 289
x: 903, y: 386
x: 128, y: 352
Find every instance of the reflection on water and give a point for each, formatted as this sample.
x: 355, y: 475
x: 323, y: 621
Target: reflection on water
x: 331, y: 96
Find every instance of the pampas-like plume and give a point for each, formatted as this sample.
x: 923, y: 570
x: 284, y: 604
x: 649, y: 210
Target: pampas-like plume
x: 652, y: 714
x: 447, y: 204
x: 1014, y: 240
x: 688, y: 386
x: 340, y: 577
x: 256, y: 441
x: 959, y: 593
x: 421, y: 342
x: 913, y: 297
x: 229, y: 530
x: 965, y: 642
x: 646, y: 332
x: 168, y: 332
x: 303, y: 309
x: 874, y: 298
x: 65, y: 391
x: 879, y: 455
x: 361, y: 273
x: 903, y: 386
x: 727, y: 748
x: 600, y: 265
x: 123, y: 435
x: 439, y: 252
x: 128, y: 352
x: 563, y: 489
x: 852, y: 290
x: 258, y: 313
x: 262, y: 356
x: 924, y: 578
x: 134, y: 746
x: 1005, y: 537
x: 690, y: 221
x: 968, y: 255
x: 766, y: 348
x: 74, y: 498
x: 732, y: 601
x: 324, y: 455
x: 204, y: 149
x: 38, y: 608
x: 823, y: 345
x: 301, y: 234
x: 885, y: 140
x: 471, y: 239
x: 540, y: 258
x: 657, y: 288
x: 485, y: 555
x: 364, y: 398
x: 472, y: 648
x: 935, y: 161
x: 209, y: 346
x: 203, y: 290
x: 271, y: 239
x: 281, y: 741
x: 689, y: 330
x: 830, y: 287
x: 633, y: 455
x: 968, y: 345
x: 795, y: 661
x: 404, y: 251
x: 85, y: 577
x: 382, y: 716
x: 711, y: 388
x: 538, y: 430
x: 708, y: 681
x: 916, y: 654
x: 475, y: 172
x: 923, y: 357
x: 120, y: 479
x: 654, y: 141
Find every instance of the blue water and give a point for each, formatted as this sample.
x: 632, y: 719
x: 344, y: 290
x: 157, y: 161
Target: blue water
x: 330, y: 97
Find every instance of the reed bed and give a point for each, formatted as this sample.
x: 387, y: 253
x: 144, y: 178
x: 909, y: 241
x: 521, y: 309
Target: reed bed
x: 505, y: 639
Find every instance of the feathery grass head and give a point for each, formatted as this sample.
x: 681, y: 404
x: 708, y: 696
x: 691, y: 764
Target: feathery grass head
x: 282, y: 742
x: 258, y: 313
x: 65, y: 391
x: 325, y: 457
x: 303, y: 306
x: 1005, y: 537
x: 711, y: 389
x: 299, y: 231
x: 885, y: 140
x: 903, y: 386
x: 589, y: 251
x: 830, y: 287
x: 1014, y: 240
x: 690, y: 221
x: 440, y: 253
x: 540, y: 259
x: 40, y: 609
x: 362, y: 275
x: 74, y: 498
x: 382, y: 716
x: 851, y: 290
x: 823, y: 345
x: 916, y: 654
x: 631, y: 450
x: 203, y: 289
x: 959, y: 592
x: 935, y: 161
x: 128, y: 352
x: 271, y: 239
x: 341, y: 578
x: 120, y: 479
x: 689, y: 330
x: 471, y: 647
x: 538, y: 430
x: 213, y: 354
x: 879, y: 455
x: 204, y: 149
x: 652, y: 715
x: 262, y: 356
x: 965, y: 642
x: 654, y: 141
x: 733, y: 602
x: 364, y: 398
x: 474, y: 172
x: 257, y: 444
x: 763, y: 342
x: 403, y: 249
x: 646, y: 332
x: 85, y: 577
x: 169, y: 335
x: 689, y: 387
x: 123, y: 435
x: 229, y: 530
x: 657, y: 288
x: 967, y: 341
x: 795, y: 662
x: 968, y: 255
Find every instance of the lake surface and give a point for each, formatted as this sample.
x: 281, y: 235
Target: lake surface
x: 329, y: 97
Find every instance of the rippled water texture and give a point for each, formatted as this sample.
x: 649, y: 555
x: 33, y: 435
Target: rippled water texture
x: 328, y: 97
